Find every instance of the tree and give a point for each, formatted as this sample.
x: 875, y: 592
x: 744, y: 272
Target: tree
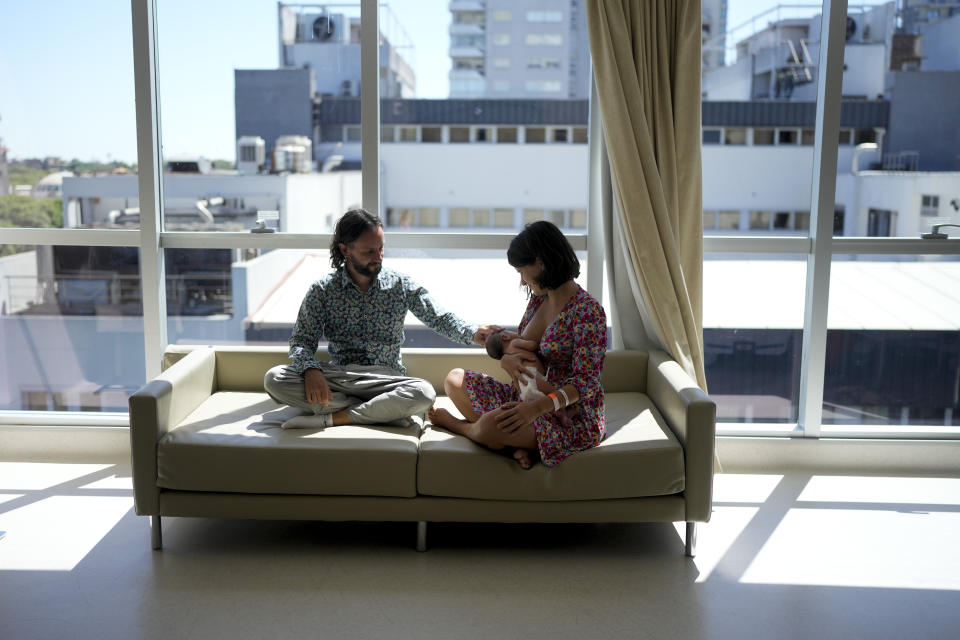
x: 33, y: 213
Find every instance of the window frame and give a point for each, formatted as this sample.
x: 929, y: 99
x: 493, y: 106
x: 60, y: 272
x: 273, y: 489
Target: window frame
x: 152, y: 240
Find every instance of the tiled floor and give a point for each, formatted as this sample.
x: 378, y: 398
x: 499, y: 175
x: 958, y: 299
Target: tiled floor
x: 793, y: 556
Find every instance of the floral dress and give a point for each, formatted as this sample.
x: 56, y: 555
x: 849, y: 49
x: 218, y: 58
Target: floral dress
x: 572, y: 349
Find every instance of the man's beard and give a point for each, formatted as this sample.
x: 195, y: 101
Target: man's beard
x: 365, y: 270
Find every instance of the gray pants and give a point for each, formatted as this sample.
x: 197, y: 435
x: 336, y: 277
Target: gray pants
x: 369, y: 394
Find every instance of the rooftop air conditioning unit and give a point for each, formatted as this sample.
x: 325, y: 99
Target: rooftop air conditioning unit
x: 329, y: 28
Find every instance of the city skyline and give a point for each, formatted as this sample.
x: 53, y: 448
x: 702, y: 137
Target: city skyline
x: 70, y: 85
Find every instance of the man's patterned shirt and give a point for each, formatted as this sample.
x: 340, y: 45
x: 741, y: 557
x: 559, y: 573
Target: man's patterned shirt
x: 366, y: 327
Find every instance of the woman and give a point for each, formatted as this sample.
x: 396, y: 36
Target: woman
x: 571, y: 330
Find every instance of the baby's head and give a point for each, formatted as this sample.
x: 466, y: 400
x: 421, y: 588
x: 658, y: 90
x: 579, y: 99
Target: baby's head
x: 494, y: 345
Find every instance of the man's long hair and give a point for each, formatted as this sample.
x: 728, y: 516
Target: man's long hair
x: 351, y: 226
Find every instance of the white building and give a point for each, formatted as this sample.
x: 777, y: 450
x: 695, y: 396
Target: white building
x: 326, y: 39
x: 519, y: 49
x: 307, y: 202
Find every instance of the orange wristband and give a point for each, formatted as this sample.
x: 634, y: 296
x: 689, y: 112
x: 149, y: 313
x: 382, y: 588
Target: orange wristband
x: 556, y: 401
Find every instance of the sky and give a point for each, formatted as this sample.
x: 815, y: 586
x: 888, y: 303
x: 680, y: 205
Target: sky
x: 66, y: 70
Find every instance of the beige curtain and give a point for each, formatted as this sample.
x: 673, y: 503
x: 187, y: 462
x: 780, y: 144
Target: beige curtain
x: 646, y: 60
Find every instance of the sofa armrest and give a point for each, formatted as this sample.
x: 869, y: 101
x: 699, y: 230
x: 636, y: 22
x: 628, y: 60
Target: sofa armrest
x: 158, y: 407
x: 692, y: 416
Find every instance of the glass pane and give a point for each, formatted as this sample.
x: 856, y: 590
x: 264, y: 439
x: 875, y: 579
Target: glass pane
x: 728, y: 220
x: 268, y: 286
x: 429, y: 217
x: 459, y: 217
x: 753, y: 319
x: 709, y: 219
x: 431, y: 134
x: 759, y: 220
x: 247, y: 127
x: 763, y: 137
x: 735, y: 136
x: 503, y: 218
x: 532, y: 215
x: 68, y: 139
x: 470, y: 68
x: 71, y: 328
x: 506, y: 134
x: 758, y: 155
x: 535, y: 134
x: 893, y: 341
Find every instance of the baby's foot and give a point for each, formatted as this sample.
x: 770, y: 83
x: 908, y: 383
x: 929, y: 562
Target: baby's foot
x: 522, y: 456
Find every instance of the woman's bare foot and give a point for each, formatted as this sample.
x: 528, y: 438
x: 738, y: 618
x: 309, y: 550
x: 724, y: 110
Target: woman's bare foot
x: 445, y: 419
x: 522, y: 456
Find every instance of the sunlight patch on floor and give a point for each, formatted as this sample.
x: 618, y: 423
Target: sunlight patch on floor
x: 56, y: 533
x: 113, y: 482
x: 715, y: 538
x: 933, y: 491
x: 744, y: 487
x: 37, y: 476
x: 896, y: 549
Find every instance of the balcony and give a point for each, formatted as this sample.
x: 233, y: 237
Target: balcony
x: 466, y: 52
x: 467, y: 29
x: 467, y: 5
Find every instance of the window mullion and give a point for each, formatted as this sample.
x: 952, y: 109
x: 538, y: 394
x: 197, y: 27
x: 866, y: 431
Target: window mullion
x: 150, y: 181
x: 370, y: 104
x: 826, y: 137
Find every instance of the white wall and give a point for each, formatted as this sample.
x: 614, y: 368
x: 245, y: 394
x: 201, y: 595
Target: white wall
x: 314, y: 201
x: 941, y: 45
x: 478, y: 175
x: 13, y: 268
x: 900, y: 192
x: 748, y: 177
x: 728, y: 83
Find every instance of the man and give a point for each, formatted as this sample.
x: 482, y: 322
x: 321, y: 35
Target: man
x: 360, y: 309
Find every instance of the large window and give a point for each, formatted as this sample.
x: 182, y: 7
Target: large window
x: 264, y: 127
x: 71, y: 328
x: 71, y: 318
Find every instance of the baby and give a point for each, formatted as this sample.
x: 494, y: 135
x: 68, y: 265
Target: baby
x: 529, y: 382
x: 533, y: 384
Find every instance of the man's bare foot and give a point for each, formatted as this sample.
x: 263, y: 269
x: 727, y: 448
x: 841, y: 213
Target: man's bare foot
x: 522, y: 456
x: 443, y: 418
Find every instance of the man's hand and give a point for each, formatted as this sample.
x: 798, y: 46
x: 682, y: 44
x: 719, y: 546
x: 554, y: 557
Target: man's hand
x: 484, y: 332
x: 318, y: 391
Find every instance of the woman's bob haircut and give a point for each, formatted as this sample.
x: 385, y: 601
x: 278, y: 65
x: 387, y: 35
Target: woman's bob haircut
x: 544, y: 241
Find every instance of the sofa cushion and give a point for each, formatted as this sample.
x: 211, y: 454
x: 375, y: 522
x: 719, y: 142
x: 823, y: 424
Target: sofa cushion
x: 233, y: 442
x: 639, y: 457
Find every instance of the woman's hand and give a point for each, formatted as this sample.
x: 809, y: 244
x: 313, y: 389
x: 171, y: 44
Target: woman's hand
x: 514, y: 415
x: 516, y: 364
x: 514, y: 344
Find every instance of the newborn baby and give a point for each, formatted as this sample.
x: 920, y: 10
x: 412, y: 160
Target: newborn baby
x: 529, y: 382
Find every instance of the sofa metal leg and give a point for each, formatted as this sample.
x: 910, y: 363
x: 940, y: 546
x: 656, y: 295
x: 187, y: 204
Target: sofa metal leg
x: 421, y: 535
x: 691, y: 549
x: 156, y: 535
